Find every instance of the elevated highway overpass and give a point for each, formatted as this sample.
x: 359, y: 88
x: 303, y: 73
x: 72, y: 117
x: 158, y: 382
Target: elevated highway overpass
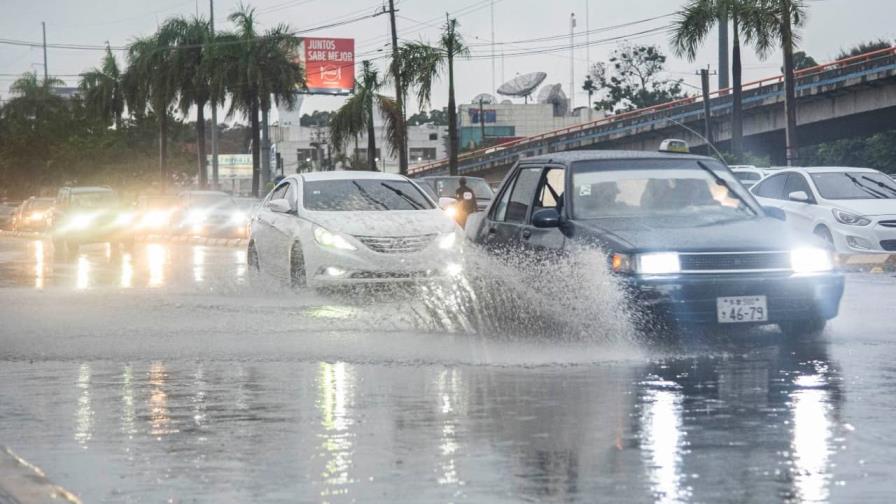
x: 842, y: 99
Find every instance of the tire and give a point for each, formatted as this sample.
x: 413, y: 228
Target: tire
x: 297, y: 275
x: 803, y: 328
x: 825, y: 234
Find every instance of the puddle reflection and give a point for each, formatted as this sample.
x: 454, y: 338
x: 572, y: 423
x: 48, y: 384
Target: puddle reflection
x: 663, y: 441
x: 336, y: 396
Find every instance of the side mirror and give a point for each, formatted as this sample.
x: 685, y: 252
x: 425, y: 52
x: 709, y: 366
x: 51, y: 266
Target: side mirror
x: 775, y: 213
x: 546, y: 218
x: 280, y: 206
x: 798, y: 196
x: 445, y: 202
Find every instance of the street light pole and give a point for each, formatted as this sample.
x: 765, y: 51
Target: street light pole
x: 211, y: 17
x: 43, y: 27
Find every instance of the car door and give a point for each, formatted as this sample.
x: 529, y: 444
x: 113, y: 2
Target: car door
x: 770, y: 192
x: 263, y: 230
x: 281, y: 231
x: 512, y: 212
x: 549, y: 194
x: 799, y: 213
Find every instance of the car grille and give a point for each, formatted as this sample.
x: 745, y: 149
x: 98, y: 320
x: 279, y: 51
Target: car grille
x: 888, y: 245
x: 888, y: 223
x: 397, y: 244
x: 739, y: 261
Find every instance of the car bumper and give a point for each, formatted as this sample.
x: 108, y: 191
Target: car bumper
x: 326, y: 267
x: 692, y: 299
x: 872, y: 239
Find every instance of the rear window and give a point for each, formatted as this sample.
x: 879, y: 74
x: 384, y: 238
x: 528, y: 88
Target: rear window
x: 747, y: 176
x: 364, y: 196
x: 447, y: 188
x: 94, y: 199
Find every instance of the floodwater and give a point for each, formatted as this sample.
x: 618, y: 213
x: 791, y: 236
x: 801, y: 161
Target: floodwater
x: 164, y: 375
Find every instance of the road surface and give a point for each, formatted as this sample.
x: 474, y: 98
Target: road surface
x: 165, y: 375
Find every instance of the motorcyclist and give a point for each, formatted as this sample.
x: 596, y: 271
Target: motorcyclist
x: 466, y: 201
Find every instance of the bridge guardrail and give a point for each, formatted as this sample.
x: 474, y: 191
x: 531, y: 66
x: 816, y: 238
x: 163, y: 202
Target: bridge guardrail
x: 853, y: 65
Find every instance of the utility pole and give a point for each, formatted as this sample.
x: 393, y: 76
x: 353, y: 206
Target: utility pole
x: 587, y: 37
x: 399, y: 98
x: 572, y: 62
x: 211, y: 18
x: 724, y: 68
x: 43, y: 26
x: 494, y: 84
x: 790, y: 131
x: 265, y: 150
x: 707, y: 110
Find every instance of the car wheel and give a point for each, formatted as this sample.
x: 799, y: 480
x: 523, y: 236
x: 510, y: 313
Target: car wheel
x: 803, y: 328
x: 297, y: 273
x: 252, y: 258
x: 825, y: 234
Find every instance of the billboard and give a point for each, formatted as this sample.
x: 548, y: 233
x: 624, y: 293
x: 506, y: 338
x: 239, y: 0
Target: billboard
x: 233, y: 166
x: 329, y: 65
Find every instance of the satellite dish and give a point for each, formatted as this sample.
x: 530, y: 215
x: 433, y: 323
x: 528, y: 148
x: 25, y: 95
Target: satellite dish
x: 554, y: 95
x: 522, y: 85
x: 485, y: 98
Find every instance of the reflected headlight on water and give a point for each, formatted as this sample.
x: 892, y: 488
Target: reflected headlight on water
x: 448, y: 241
x: 811, y: 260
x: 454, y: 269
x: 332, y: 240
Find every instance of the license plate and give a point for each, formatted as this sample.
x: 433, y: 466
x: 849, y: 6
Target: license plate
x: 742, y: 309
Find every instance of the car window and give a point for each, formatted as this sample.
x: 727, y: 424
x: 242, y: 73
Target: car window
x: 278, y: 193
x: 795, y: 183
x: 501, y: 208
x: 448, y: 188
x: 523, y: 195
x: 772, y: 187
x: 747, y: 176
x: 550, y: 191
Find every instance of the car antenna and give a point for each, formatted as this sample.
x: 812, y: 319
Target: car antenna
x: 710, y: 144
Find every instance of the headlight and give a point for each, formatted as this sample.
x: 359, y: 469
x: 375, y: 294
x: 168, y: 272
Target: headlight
x: 81, y: 221
x: 810, y: 260
x: 451, y: 211
x: 37, y: 215
x: 155, y: 219
x: 124, y: 219
x: 850, y: 219
x: 660, y: 263
x: 238, y: 217
x: 327, y: 239
x: 447, y: 242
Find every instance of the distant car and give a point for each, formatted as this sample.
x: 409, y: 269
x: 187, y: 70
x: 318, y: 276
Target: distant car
x: 209, y: 214
x: 83, y: 215
x: 154, y: 213
x: 748, y: 175
x: 33, y: 214
x: 689, y: 244
x: 335, y: 228
x: 246, y: 208
x: 8, y: 211
x: 853, y: 209
x: 446, y: 187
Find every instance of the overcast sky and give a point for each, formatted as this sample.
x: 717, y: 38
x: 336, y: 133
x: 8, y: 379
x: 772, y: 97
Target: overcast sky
x: 832, y: 26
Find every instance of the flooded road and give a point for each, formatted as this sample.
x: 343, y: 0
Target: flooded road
x: 165, y: 375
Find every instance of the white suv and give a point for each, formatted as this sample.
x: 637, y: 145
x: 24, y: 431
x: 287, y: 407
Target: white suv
x: 853, y: 209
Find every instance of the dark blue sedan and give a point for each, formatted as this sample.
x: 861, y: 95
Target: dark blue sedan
x: 689, y: 243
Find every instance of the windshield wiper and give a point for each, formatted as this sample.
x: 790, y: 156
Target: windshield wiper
x: 880, y: 184
x: 722, y: 182
x: 414, y: 203
x: 873, y: 192
x: 370, y: 198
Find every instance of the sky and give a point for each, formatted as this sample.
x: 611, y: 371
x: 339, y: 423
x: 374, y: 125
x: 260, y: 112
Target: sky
x: 832, y: 25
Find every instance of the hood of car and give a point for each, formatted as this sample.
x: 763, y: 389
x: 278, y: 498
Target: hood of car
x: 867, y: 207
x: 760, y: 234
x: 384, y: 224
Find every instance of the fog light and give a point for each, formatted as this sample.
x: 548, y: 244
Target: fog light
x: 859, y: 243
x: 333, y: 271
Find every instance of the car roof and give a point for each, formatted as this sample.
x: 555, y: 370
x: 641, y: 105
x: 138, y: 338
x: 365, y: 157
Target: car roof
x: 347, y: 175
x: 831, y: 169
x: 87, y: 189
x: 448, y: 177
x: 608, y: 155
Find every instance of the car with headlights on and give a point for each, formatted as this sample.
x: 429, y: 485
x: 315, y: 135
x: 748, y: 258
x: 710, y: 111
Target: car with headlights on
x: 684, y: 238
x: 208, y: 214
x: 852, y: 209
x: 346, y: 227
x: 153, y: 214
x: 84, y: 215
x: 33, y: 214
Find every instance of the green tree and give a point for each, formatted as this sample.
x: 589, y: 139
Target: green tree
x: 801, y: 61
x: 864, y: 48
x: 102, y: 90
x: 634, y: 80
x: 357, y: 114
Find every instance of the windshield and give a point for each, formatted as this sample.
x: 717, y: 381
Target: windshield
x: 363, y: 196
x: 96, y: 199
x: 210, y: 200
x: 657, y: 189
x: 854, y: 185
x: 447, y: 188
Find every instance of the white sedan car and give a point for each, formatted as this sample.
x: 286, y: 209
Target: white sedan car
x: 328, y: 228
x: 748, y: 175
x: 853, y: 209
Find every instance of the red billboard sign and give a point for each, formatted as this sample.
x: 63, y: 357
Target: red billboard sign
x: 329, y: 65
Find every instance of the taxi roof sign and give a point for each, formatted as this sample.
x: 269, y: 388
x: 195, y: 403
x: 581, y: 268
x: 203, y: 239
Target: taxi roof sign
x: 675, y: 145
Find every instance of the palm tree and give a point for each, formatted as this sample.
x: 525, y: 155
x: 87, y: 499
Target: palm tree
x: 103, y: 91
x: 258, y: 66
x: 149, y: 82
x: 191, y: 67
x: 356, y: 115
x: 772, y: 24
x: 453, y: 44
x: 34, y: 101
x: 693, y: 25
